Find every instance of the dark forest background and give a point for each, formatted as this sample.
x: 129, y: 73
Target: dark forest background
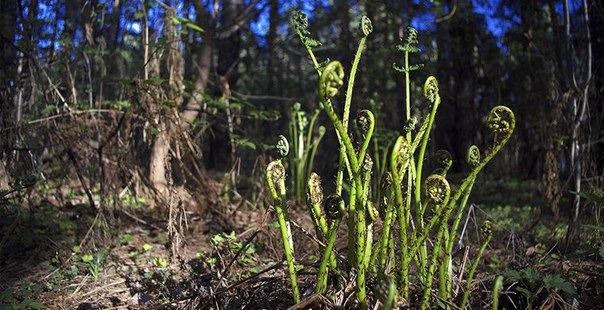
x: 116, y: 87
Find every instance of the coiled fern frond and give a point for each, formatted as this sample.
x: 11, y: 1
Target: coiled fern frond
x: 437, y: 189
x: 300, y: 22
x: 473, y: 156
x: 332, y: 79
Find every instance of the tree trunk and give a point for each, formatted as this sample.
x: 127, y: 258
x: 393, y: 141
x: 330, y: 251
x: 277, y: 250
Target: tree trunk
x: 161, y: 146
x: 579, y: 107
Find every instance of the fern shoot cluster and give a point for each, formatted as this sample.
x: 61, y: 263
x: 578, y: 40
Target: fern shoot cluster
x: 398, y: 265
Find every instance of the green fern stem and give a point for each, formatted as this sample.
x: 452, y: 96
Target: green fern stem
x: 431, y: 91
x: 368, y: 243
x: 487, y: 232
x: 301, y: 160
x: 313, y: 151
x: 386, y: 291
x: 388, y: 213
x: 361, y: 222
x: 275, y: 173
x: 436, y: 253
x: 311, y: 148
x: 334, y: 208
x: 399, y: 152
x: 446, y: 272
x: 347, y: 103
x: 330, y: 79
x: 496, y: 288
x: 438, y: 193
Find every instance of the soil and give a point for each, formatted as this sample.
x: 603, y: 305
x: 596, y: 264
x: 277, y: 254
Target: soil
x: 65, y: 256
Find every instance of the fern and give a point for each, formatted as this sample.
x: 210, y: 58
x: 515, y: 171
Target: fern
x: 555, y: 281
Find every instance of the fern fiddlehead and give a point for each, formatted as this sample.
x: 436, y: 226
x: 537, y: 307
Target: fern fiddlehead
x: 314, y: 201
x: 501, y: 121
x: 444, y: 158
x: 331, y: 80
x: 473, y: 156
x: 437, y: 190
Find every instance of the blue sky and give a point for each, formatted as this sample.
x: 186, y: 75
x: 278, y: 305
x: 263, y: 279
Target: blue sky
x: 259, y: 26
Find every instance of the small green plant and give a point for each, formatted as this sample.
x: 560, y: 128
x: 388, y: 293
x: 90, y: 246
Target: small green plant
x: 530, y: 283
x: 419, y: 207
x: 94, y: 262
x: 147, y: 247
x: 160, y: 262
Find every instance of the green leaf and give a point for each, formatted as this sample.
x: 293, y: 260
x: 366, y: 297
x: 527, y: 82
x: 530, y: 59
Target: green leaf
x: 31, y: 304
x: 101, y: 255
x: 556, y: 282
x: 160, y: 262
x: 169, y: 103
x: 127, y: 238
x: 87, y: 258
x: 155, y: 81
x: 246, y: 142
x: 194, y: 27
x: 147, y: 247
x: 594, y: 227
x: 416, y: 67
x: 217, y: 239
x: 49, y: 108
x: 139, y: 15
x: 247, y: 260
x: 599, y: 198
x: 527, y: 294
x: 531, y: 275
x: 513, y: 275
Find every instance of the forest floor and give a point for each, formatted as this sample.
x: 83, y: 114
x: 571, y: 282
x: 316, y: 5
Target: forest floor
x: 58, y: 255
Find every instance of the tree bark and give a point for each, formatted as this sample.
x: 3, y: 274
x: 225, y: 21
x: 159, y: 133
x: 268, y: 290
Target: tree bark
x: 579, y: 107
x: 191, y: 109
